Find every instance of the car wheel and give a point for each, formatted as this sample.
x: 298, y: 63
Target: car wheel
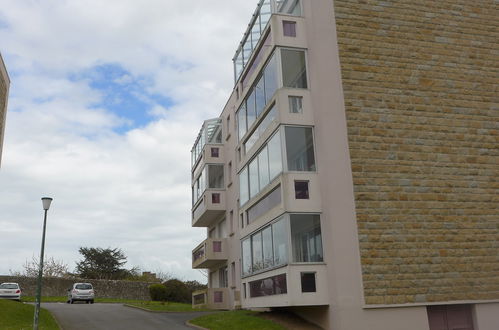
x: 91, y: 301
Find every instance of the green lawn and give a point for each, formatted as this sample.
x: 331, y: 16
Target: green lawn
x: 18, y: 316
x: 241, y: 320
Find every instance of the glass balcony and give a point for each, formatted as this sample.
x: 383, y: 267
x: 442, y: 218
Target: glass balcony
x: 211, y: 133
x: 210, y: 253
x: 256, y: 28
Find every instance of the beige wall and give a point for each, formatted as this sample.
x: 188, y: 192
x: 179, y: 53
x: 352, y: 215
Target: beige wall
x: 420, y: 82
x: 4, y: 94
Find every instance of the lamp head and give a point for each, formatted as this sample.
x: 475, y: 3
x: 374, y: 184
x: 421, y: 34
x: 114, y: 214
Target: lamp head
x: 46, y: 202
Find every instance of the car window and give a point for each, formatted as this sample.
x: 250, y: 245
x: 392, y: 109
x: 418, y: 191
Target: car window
x: 9, y: 286
x: 83, y: 287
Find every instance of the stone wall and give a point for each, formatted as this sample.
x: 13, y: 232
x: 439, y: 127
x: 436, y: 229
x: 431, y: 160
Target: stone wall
x: 103, y: 288
x: 421, y: 85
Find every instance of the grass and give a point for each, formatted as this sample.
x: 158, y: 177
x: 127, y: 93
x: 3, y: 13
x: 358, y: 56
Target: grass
x: 150, y: 305
x: 241, y: 320
x: 18, y: 316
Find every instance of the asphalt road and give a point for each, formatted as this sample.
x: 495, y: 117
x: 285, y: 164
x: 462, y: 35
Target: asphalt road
x: 81, y: 316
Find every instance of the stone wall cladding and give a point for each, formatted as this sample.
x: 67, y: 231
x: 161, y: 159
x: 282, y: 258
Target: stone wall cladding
x: 421, y: 86
x: 56, y: 287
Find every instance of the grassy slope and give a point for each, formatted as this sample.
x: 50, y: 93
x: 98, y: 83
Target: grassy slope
x: 18, y: 316
x: 241, y: 320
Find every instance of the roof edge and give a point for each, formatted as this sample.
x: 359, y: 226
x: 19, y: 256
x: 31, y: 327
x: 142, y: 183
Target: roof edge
x: 2, y: 63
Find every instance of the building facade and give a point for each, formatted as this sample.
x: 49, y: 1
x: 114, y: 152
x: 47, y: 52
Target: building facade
x: 4, y: 95
x: 352, y: 176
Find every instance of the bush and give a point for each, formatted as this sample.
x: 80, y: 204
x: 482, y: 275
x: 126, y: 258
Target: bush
x: 177, y: 291
x: 158, y: 292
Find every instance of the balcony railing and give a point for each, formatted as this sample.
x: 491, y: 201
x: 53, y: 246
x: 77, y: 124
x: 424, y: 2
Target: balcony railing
x: 210, y: 253
x: 256, y: 27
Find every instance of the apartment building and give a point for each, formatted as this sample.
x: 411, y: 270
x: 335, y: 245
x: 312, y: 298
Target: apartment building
x: 4, y: 94
x: 352, y: 176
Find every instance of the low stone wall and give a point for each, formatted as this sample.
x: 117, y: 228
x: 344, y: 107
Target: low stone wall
x: 103, y: 288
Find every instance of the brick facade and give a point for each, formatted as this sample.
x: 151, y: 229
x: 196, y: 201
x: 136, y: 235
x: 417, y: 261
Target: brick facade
x: 421, y: 85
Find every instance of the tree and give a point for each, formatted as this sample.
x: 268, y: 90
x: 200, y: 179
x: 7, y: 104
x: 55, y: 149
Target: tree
x: 51, y: 268
x: 101, y: 263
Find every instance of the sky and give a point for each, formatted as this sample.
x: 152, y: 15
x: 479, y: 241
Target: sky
x: 106, y: 100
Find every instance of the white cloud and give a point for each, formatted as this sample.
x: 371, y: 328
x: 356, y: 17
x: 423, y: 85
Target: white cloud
x: 127, y: 190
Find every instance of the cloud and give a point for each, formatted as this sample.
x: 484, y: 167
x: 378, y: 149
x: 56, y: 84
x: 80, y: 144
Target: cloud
x: 117, y: 181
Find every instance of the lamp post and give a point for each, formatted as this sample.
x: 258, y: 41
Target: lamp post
x: 46, y: 205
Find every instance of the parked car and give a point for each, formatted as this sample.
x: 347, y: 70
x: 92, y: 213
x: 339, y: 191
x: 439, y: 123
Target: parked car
x: 10, y: 291
x: 81, y: 292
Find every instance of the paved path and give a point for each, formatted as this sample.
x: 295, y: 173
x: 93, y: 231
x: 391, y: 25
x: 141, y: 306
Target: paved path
x: 80, y: 316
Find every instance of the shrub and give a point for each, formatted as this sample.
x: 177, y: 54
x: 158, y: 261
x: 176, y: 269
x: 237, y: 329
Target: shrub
x: 177, y: 291
x: 158, y: 292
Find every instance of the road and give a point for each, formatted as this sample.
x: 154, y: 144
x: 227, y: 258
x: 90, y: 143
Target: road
x: 80, y: 316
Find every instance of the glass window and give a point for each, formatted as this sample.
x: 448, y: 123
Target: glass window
x: 215, y: 176
x: 257, y: 252
x: 290, y: 7
x: 275, y: 157
x: 266, y: 121
x: 270, y: 75
x: 268, y: 254
x: 300, y: 148
x: 264, y: 205
x: 308, y: 282
x: 306, y: 237
x: 253, y: 178
x: 301, y: 190
x: 250, y: 109
x: 269, y: 286
x: 260, y: 96
x: 280, y: 242
x: 241, y: 120
x: 295, y: 104
x: 246, y: 254
x: 265, y: 13
x: 294, y: 72
x: 263, y: 168
x: 243, y: 186
x: 289, y: 28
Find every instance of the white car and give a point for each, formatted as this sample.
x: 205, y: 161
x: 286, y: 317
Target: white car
x: 10, y: 291
x: 81, y: 292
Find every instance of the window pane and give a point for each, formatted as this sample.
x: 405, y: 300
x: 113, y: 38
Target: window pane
x: 289, y: 28
x: 291, y: 7
x: 250, y: 108
x: 268, y: 255
x: 253, y: 178
x: 243, y: 186
x: 294, y: 73
x: 256, y: 245
x: 270, y: 75
x: 260, y: 96
x: 264, y: 205
x: 263, y: 165
x: 300, y: 149
x: 265, y: 12
x: 269, y: 118
x: 246, y: 253
x: 280, y: 242
x: 301, y: 190
x: 216, y: 176
x: 269, y: 286
x: 275, y: 157
x: 255, y: 32
x: 295, y: 104
x: 306, y: 238
x: 308, y: 282
x: 241, y: 120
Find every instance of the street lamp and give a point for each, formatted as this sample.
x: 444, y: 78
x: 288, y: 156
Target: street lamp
x: 46, y: 205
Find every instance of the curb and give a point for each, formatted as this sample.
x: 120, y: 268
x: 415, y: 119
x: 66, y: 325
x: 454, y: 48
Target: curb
x: 189, y: 324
